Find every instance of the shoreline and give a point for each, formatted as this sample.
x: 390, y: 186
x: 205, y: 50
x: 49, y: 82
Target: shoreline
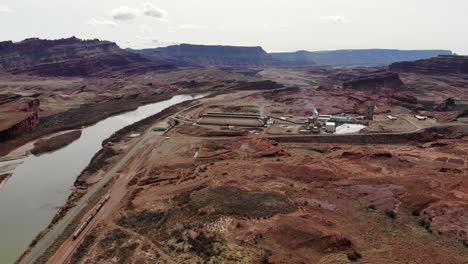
x: 4, y: 179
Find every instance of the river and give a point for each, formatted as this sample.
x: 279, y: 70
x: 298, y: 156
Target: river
x: 41, y: 185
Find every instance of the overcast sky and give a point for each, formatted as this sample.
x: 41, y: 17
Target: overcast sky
x: 276, y: 25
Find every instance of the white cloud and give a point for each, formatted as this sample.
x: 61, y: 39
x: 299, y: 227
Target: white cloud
x: 125, y: 13
x: 153, y: 11
x: 193, y: 26
x: 335, y: 19
x: 5, y: 9
x: 129, y: 13
x: 98, y: 22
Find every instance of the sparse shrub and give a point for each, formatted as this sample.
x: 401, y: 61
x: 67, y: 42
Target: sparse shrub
x: 426, y: 224
x: 214, y: 145
x: 465, y: 243
x: 116, y: 235
x: 83, y: 248
x: 266, y: 257
x: 391, y: 214
x: 354, y: 256
x: 371, y: 207
x: 204, y: 245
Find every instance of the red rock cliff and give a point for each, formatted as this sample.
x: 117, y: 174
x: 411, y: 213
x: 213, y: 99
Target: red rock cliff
x: 18, y: 117
x: 437, y: 65
x: 374, y: 81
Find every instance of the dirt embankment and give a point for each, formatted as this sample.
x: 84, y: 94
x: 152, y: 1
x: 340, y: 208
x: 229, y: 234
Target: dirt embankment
x: 55, y: 143
x: 18, y: 115
x: 4, y: 177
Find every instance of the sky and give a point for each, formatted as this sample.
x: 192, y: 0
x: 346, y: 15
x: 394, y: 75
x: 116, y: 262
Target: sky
x: 276, y: 25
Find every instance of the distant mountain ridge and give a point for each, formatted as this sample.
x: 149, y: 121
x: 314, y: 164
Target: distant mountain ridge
x: 70, y: 57
x: 211, y: 55
x: 365, y: 57
x: 443, y: 64
x: 73, y: 57
x: 235, y: 56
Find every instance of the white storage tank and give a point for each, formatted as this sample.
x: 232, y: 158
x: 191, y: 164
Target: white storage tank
x: 330, y: 127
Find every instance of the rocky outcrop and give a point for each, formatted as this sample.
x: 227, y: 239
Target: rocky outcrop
x: 375, y: 81
x: 29, y: 105
x: 370, y: 57
x: 71, y: 57
x: 7, y: 98
x: 18, y: 117
x: 25, y: 125
x: 204, y: 55
x: 447, y: 105
x: 433, y: 66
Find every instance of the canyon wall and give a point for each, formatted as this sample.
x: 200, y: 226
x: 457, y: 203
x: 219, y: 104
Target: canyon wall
x: 374, y: 81
x: 434, y: 66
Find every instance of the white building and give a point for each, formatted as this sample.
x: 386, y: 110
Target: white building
x: 330, y: 127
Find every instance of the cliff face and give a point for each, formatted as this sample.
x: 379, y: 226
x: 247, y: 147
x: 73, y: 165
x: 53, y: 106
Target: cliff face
x: 69, y: 57
x: 434, y: 66
x: 17, y: 116
x: 25, y: 125
x: 201, y: 55
x: 375, y: 81
x: 371, y: 57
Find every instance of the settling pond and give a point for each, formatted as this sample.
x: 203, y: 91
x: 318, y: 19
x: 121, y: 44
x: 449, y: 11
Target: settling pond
x: 41, y: 185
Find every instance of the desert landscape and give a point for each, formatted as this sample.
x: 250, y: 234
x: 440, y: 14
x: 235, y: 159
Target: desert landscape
x: 225, y: 154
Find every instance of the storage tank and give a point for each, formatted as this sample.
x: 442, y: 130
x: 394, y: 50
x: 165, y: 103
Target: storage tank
x: 330, y: 127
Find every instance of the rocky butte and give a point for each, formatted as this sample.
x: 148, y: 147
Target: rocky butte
x: 206, y: 55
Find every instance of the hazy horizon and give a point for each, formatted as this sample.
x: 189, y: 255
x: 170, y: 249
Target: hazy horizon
x: 277, y: 27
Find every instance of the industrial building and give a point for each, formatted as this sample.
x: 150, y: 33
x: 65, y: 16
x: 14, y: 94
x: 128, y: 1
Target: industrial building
x: 330, y: 127
x: 370, y: 107
x: 228, y: 119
